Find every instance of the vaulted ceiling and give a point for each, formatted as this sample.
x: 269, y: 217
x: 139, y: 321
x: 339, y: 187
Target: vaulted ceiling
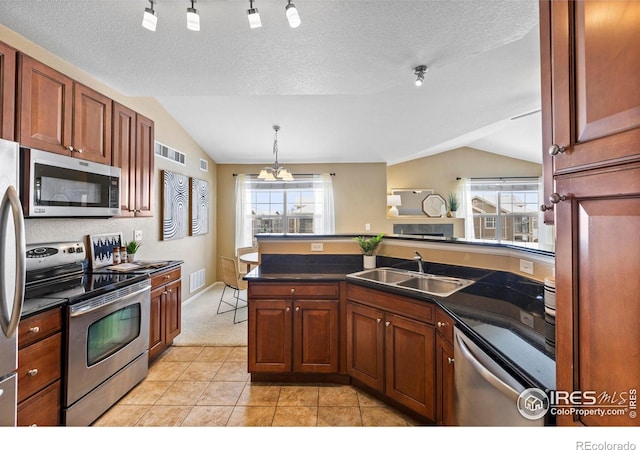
x: 341, y: 86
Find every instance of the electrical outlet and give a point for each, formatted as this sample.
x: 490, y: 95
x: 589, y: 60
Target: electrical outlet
x: 317, y: 246
x: 367, y: 226
x: 526, y: 266
x: 137, y: 235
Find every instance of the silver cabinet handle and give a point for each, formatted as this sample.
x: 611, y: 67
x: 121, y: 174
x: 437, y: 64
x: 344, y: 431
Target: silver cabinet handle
x: 544, y: 208
x: 441, y: 324
x: 555, y: 198
x: 451, y: 360
x: 378, y: 320
x: 70, y: 148
x: 387, y: 323
x: 287, y: 309
x: 293, y: 291
x: 9, y: 319
x: 297, y: 308
x: 79, y: 150
x: 32, y: 372
x: 556, y: 149
x: 34, y: 330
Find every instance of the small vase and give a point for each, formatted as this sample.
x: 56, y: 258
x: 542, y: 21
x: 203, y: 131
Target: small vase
x: 131, y: 257
x: 369, y: 262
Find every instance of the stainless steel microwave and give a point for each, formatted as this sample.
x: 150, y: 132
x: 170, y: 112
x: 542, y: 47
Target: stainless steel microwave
x: 61, y: 186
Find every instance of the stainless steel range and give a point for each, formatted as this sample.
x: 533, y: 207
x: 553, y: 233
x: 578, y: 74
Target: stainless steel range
x: 107, y: 326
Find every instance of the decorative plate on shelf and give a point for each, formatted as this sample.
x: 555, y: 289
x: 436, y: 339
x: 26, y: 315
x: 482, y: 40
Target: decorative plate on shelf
x: 434, y: 205
x: 101, y: 248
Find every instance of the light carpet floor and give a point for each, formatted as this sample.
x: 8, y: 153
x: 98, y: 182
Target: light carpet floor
x: 202, y: 326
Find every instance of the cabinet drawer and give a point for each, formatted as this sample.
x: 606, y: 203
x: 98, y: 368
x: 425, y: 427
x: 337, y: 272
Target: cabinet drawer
x: 444, y: 325
x: 294, y: 290
x: 39, y: 365
x: 406, y: 306
x: 165, y: 277
x: 39, y: 326
x: 43, y: 409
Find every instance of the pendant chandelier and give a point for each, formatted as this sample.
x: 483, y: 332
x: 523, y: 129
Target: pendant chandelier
x: 276, y: 172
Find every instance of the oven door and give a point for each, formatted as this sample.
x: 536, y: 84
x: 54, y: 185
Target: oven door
x: 104, y: 335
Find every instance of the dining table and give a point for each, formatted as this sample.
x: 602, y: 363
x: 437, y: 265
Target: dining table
x: 250, y: 259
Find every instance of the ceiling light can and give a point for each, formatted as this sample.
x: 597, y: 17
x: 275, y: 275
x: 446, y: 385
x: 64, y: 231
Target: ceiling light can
x: 193, y: 18
x: 150, y: 18
x: 254, y: 16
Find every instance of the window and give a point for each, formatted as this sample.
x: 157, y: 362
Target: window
x: 505, y: 209
x: 302, y: 206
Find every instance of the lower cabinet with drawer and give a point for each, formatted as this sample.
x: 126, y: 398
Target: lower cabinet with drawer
x: 391, y: 348
x: 40, y: 369
x: 165, y: 311
x: 293, y: 328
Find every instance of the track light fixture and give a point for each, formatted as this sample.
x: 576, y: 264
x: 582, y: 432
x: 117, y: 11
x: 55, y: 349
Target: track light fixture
x: 254, y: 16
x: 150, y: 19
x: 276, y: 172
x: 193, y: 18
x: 419, y: 72
x: 292, y: 15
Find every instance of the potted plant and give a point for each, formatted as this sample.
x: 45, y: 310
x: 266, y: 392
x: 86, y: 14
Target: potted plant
x: 368, y: 246
x: 132, y: 247
x: 452, y: 200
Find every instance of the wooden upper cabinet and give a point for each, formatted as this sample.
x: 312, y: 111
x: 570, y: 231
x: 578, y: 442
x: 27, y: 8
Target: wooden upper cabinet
x: 58, y: 115
x: 45, y: 99
x: 124, y: 155
x: 7, y: 91
x: 133, y: 140
x: 145, y: 133
x: 91, y: 125
x: 594, y: 83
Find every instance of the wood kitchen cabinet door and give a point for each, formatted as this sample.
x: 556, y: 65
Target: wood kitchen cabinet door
x: 173, y: 311
x: 157, y: 330
x: 597, y: 288
x: 316, y: 336
x: 145, y: 132
x: 45, y: 104
x: 124, y: 155
x: 365, y: 345
x: 270, y: 336
x: 91, y: 125
x: 7, y: 91
x: 410, y: 364
x: 594, y: 85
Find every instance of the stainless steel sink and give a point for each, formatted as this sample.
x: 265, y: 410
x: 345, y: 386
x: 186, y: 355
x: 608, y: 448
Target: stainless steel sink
x: 413, y: 281
x: 441, y: 286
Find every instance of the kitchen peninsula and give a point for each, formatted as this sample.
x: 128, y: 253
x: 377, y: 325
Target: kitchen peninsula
x: 311, y: 319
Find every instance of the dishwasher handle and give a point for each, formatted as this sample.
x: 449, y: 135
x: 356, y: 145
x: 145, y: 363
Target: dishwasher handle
x: 489, y: 376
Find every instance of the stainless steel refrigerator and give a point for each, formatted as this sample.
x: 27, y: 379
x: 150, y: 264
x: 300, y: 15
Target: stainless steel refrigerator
x: 12, y: 278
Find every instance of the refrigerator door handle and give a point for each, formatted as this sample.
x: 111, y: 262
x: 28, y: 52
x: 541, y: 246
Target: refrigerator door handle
x: 11, y: 204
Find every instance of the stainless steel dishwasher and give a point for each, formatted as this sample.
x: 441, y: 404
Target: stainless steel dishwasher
x: 486, y: 395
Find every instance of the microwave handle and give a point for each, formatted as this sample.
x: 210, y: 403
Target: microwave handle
x: 11, y: 203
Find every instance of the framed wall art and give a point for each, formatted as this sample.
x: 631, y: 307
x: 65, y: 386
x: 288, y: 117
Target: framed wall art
x: 199, y: 223
x: 175, y: 205
x: 101, y: 248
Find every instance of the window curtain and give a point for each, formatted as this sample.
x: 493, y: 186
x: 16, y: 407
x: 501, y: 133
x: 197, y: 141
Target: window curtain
x: 244, y: 237
x: 324, y: 217
x: 466, y: 207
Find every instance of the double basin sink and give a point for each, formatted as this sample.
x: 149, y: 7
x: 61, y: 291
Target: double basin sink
x: 437, y: 285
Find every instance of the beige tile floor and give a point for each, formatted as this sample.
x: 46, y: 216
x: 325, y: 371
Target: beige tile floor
x: 210, y: 387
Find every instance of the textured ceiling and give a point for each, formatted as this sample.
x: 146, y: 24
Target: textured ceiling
x: 341, y: 86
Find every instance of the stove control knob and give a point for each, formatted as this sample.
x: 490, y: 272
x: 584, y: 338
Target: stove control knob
x: 71, y: 250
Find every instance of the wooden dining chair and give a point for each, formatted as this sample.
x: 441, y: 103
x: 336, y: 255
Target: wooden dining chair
x: 243, y: 251
x: 232, y: 279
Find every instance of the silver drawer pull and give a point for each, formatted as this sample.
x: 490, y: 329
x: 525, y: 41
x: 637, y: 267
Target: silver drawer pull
x: 451, y: 360
x: 555, y: 198
x: 293, y: 291
x: 441, y: 324
x: 386, y: 324
x: 32, y: 372
x: 378, y: 320
x: 34, y: 330
x: 555, y: 149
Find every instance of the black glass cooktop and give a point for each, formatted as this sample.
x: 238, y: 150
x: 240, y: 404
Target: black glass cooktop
x: 78, y: 287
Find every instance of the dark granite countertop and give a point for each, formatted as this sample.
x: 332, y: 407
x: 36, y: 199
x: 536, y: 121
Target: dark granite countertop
x: 502, y: 312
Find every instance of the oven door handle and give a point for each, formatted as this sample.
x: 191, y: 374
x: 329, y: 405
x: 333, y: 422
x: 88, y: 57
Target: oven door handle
x: 89, y: 309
